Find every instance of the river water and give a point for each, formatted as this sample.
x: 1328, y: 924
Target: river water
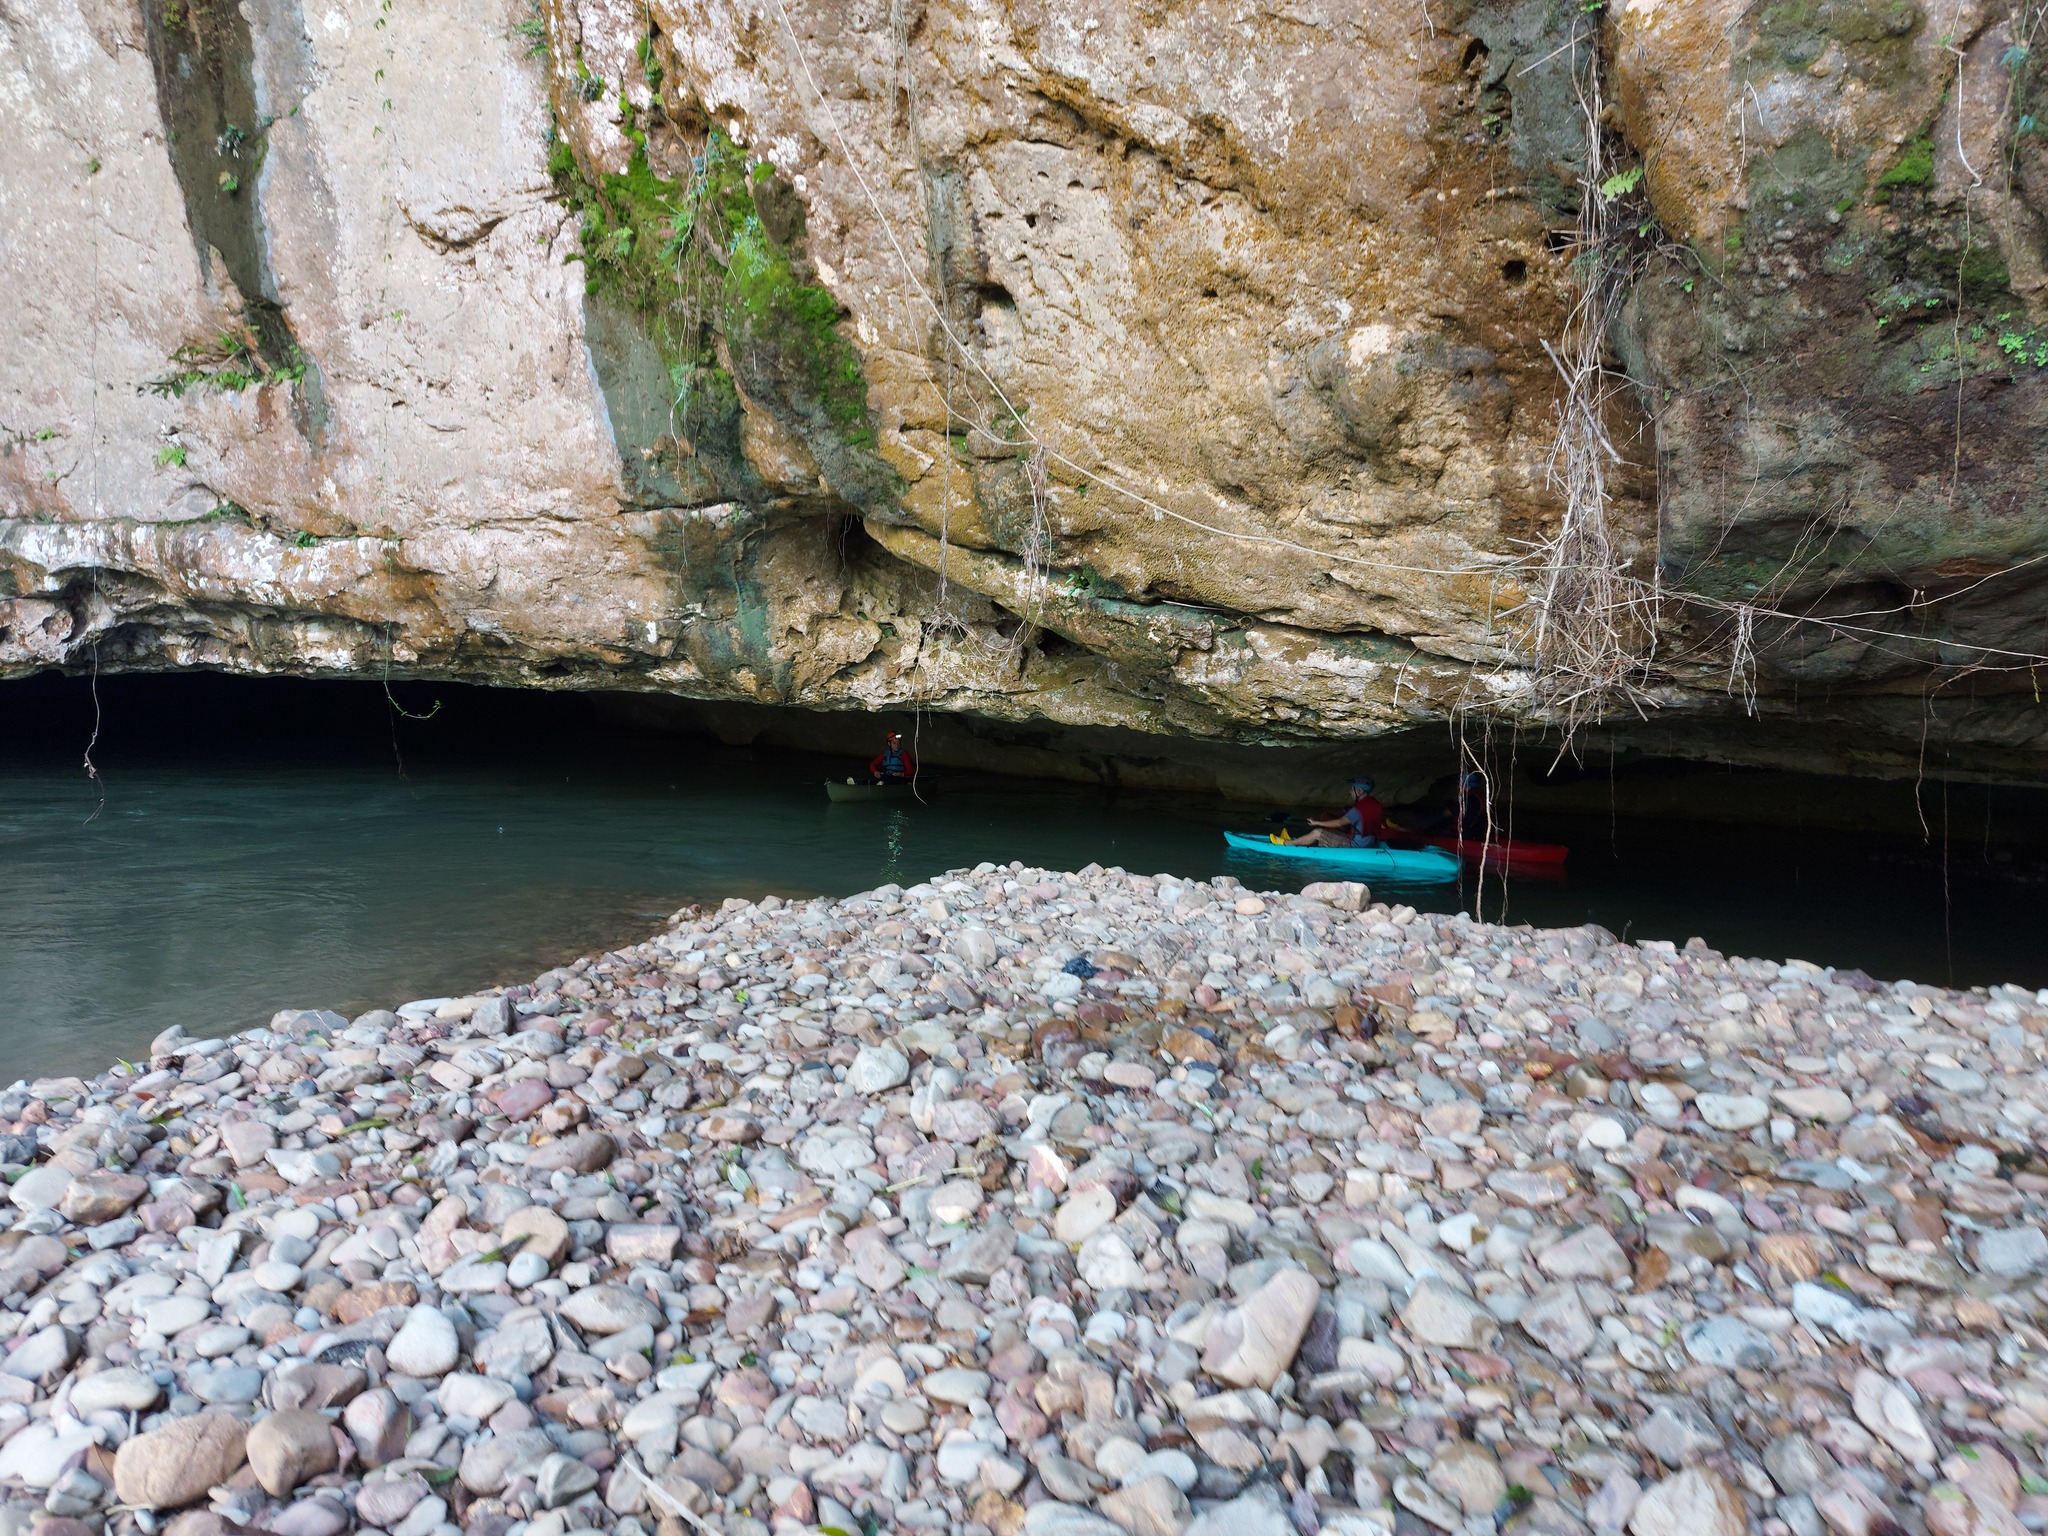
x: 256, y: 846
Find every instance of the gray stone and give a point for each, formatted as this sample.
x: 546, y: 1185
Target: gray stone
x: 472, y: 1397
x: 1830, y: 1106
x: 490, y: 1461
x: 877, y: 1069
x: 288, y: 1447
x: 122, y: 1389
x: 225, y: 1386
x: 1678, y: 1433
x: 1106, y: 1262
x: 426, y: 1346
x: 1591, y: 1253
x: 608, y: 1309
x: 958, y: 1386
x: 562, y: 1478
x: 1470, y: 1475
x: 977, y: 1257
x: 384, y: 1503
x: 1153, y: 1506
x: 1556, y: 1318
x: 1416, y: 1496
x: 1438, y: 1314
x: 1729, y: 1343
x: 1907, y: 1266
x: 1257, y: 1513
x: 1253, y: 1344
x: 1796, y: 1464
x: 379, y: 1424
x: 1695, y: 1502
x: 1732, y: 1111
x: 1888, y: 1412
x: 43, y: 1355
x: 2011, y: 1252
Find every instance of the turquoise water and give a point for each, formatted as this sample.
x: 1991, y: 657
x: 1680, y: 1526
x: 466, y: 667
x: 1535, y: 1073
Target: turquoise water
x: 272, y: 845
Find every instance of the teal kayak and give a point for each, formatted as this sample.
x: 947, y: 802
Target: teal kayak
x: 1417, y: 864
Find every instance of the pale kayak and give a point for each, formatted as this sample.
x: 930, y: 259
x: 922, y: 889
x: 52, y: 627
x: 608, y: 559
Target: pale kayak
x: 1416, y: 864
x: 847, y: 793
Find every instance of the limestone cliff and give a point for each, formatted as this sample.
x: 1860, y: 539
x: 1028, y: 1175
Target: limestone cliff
x: 1182, y: 367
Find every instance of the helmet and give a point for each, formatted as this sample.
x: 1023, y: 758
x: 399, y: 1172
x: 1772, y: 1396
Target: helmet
x: 1475, y: 781
x: 1362, y: 784
x: 894, y: 737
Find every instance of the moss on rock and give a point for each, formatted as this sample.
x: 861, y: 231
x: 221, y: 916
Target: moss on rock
x: 713, y: 261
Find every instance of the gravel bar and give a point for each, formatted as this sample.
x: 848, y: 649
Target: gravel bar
x: 1084, y: 1204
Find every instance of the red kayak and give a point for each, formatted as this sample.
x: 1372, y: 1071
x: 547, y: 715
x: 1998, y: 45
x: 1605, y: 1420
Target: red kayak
x: 1499, y: 852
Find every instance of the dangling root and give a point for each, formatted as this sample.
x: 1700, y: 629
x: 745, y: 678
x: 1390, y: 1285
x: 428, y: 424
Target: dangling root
x: 1591, y: 623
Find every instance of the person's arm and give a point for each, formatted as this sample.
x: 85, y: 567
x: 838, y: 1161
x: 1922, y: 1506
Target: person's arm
x: 909, y: 765
x: 875, y: 765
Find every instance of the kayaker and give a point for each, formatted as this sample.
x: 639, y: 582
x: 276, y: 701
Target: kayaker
x: 892, y: 765
x: 1474, y: 818
x: 1362, y: 824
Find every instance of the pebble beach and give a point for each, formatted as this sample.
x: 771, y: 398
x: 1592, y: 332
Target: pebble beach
x: 1089, y: 1204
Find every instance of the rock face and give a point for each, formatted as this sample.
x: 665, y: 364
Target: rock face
x: 1077, y: 361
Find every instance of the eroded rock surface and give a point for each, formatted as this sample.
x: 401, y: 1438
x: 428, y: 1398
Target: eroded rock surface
x: 1136, y: 367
